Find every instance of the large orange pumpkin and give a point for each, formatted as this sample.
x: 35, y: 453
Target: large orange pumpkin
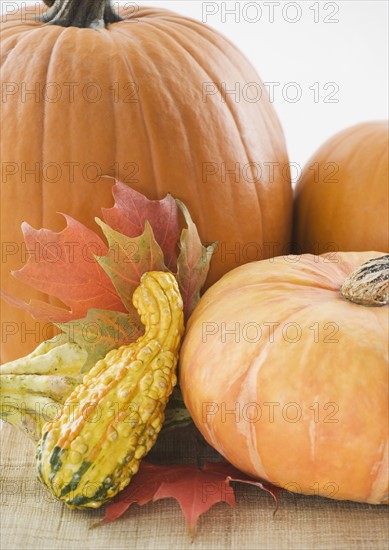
x: 288, y: 379
x: 145, y: 99
x: 342, y: 197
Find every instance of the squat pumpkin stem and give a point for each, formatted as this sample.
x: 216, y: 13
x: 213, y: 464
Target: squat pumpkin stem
x: 368, y: 285
x: 93, y: 14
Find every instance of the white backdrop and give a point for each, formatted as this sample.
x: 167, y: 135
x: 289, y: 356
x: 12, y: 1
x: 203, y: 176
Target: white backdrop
x: 326, y: 62
x: 347, y: 46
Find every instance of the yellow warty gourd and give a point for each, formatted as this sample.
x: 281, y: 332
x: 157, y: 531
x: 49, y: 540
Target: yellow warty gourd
x: 107, y: 425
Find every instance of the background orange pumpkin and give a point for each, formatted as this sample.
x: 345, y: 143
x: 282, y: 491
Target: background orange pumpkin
x: 341, y: 200
x: 288, y: 380
x: 129, y: 101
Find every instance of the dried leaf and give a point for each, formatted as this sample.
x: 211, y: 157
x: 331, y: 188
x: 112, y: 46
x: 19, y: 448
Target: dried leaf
x: 100, y: 332
x: 193, y: 263
x: 128, y: 258
x: 63, y: 265
x: 236, y: 475
x: 195, y: 489
x: 140, y: 491
x: 41, y: 311
x: 132, y: 210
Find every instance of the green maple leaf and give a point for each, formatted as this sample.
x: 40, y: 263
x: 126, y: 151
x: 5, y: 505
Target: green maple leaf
x: 101, y: 331
x: 193, y: 262
x: 128, y: 258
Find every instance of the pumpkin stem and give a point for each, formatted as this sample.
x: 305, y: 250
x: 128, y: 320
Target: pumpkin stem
x: 368, y: 285
x: 92, y: 14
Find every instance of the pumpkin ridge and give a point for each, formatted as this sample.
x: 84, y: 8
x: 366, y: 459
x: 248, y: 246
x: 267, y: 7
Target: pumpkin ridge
x: 299, y: 284
x: 141, y: 109
x: 265, y: 117
x: 113, y: 103
x: 45, y: 297
x: 44, y: 132
x: 210, y: 37
x: 17, y: 35
x: 200, y: 215
x: 251, y: 432
x: 239, y: 129
x: 233, y: 116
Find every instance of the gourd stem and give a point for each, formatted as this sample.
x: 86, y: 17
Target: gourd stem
x: 92, y: 14
x: 368, y: 285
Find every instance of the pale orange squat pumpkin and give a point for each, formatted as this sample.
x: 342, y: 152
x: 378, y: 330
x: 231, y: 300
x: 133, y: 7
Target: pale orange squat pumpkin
x: 288, y: 379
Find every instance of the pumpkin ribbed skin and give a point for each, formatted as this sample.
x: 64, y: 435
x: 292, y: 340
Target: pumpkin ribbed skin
x: 158, y: 143
x: 305, y: 410
x: 341, y: 200
x: 93, y: 448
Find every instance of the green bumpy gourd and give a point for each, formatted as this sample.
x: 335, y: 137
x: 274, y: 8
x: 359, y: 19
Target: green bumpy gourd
x: 108, y: 424
x: 34, y: 388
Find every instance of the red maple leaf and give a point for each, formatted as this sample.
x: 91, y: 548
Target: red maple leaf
x: 63, y: 265
x: 131, y: 211
x: 196, y: 489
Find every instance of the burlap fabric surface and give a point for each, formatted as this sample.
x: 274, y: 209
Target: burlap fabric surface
x: 31, y: 519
